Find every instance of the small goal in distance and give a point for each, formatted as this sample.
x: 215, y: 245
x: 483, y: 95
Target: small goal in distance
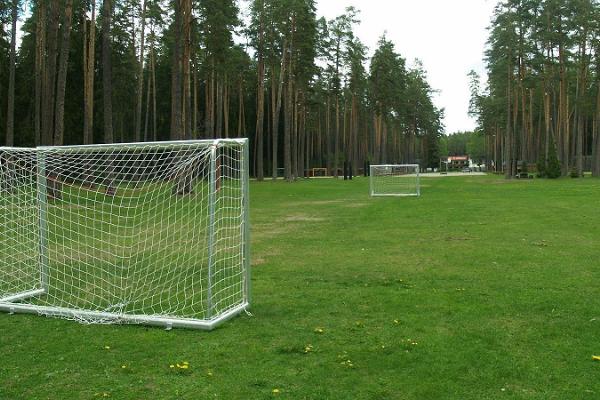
x: 148, y: 233
x: 400, y: 180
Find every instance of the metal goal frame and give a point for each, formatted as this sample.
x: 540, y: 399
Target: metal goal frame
x: 25, y: 300
x: 386, y: 181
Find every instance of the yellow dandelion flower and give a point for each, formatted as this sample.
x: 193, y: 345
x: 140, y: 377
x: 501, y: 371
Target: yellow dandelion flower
x: 107, y: 347
x: 185, y: 366
x: 276, y: 391
x: 396, y: 321
x: 123, y: 366
x: 210, y: 373
x: 596, y: 358
x: 171, y: 366
x: 319, y: 330
x: 186, y: 363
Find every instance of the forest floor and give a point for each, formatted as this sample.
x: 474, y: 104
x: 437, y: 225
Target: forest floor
x: 480, y: 289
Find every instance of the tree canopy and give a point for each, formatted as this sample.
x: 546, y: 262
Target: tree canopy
x: 302, y: 88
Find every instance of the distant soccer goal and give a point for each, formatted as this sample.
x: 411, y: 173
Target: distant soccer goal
x: 395, y: 180
x: 149, y: 233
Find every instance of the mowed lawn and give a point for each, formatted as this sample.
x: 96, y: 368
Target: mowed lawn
x: 480, y: 289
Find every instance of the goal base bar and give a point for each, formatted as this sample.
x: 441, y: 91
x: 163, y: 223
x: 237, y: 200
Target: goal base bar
x: 165, y: 322
x: 396, y: 195
x: 23, y: 296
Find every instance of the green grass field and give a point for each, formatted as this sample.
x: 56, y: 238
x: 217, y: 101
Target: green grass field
x: 480, y: 289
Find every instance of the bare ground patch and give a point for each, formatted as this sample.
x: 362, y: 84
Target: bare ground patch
x: 302, y: 218
x: 316, y: 203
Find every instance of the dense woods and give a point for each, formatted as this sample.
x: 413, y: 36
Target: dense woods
x: 301, y: 87
x: 542, y: 101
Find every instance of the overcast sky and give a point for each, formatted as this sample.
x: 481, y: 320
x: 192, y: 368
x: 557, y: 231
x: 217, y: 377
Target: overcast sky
x: 448, y: 36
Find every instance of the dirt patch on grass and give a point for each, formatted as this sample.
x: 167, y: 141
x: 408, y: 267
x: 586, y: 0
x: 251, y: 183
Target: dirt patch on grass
x: 356, y: 205
x: 257, y: 261
x: 316, y: 203
x: 266, y: 231
x: 302, y: 218
x: 262, y: 257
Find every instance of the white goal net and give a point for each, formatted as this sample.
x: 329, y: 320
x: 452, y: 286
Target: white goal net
x: 152, y: 233
x: 395, y: 180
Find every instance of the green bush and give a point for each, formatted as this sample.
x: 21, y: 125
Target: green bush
x: 553, y: 168
x: 541, y: 168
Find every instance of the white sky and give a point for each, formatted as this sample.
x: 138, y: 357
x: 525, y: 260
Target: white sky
x: 448, y: 36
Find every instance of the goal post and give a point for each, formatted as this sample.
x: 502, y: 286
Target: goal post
x: 399, y: 180
x: 149, y: 233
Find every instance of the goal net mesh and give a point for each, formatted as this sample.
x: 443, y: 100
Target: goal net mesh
x: 108, y: 233
x: 395, y: 180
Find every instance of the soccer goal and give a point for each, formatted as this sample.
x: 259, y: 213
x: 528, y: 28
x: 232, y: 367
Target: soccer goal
x: 149, y: 233
x: 395, y: 180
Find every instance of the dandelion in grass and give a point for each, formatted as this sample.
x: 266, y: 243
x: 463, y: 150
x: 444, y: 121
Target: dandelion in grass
x: 596, y: 358
x: 180, y: 367
x: 209, y: 373
x: 123, y: 366
x: 396, y: 321
x: 319, y: 330
x: 308, y: 348
x: 106, y: 347
x: 276, y: 391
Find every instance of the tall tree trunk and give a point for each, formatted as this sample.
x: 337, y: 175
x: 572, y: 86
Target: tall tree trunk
x: 10, y: 115
x: 210, y: 102
x: 186, y: 59
x: 154, y: 116
x: 596, y: 138
x: 337, y: 137
x: 140, y: 82
x: 508, y: 169
x: 226, y: 105
x: 63, y: 63
x: 327, y: 135
x: 195, y: 102
x: 89, y: 50
x: 147, y: 114
x: 580, y: 98
x: 548, y: 127
x: 287, y: 131
x: 564, y: 126
x: 260, y: 105
x: 219, y: 107
x: 40, y: 67
x: 176, y: 103
x: 294, y: 127
x: 276, y: 109
x: 49, y: 96
x: 107, y: 70
x: 242, y: 110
